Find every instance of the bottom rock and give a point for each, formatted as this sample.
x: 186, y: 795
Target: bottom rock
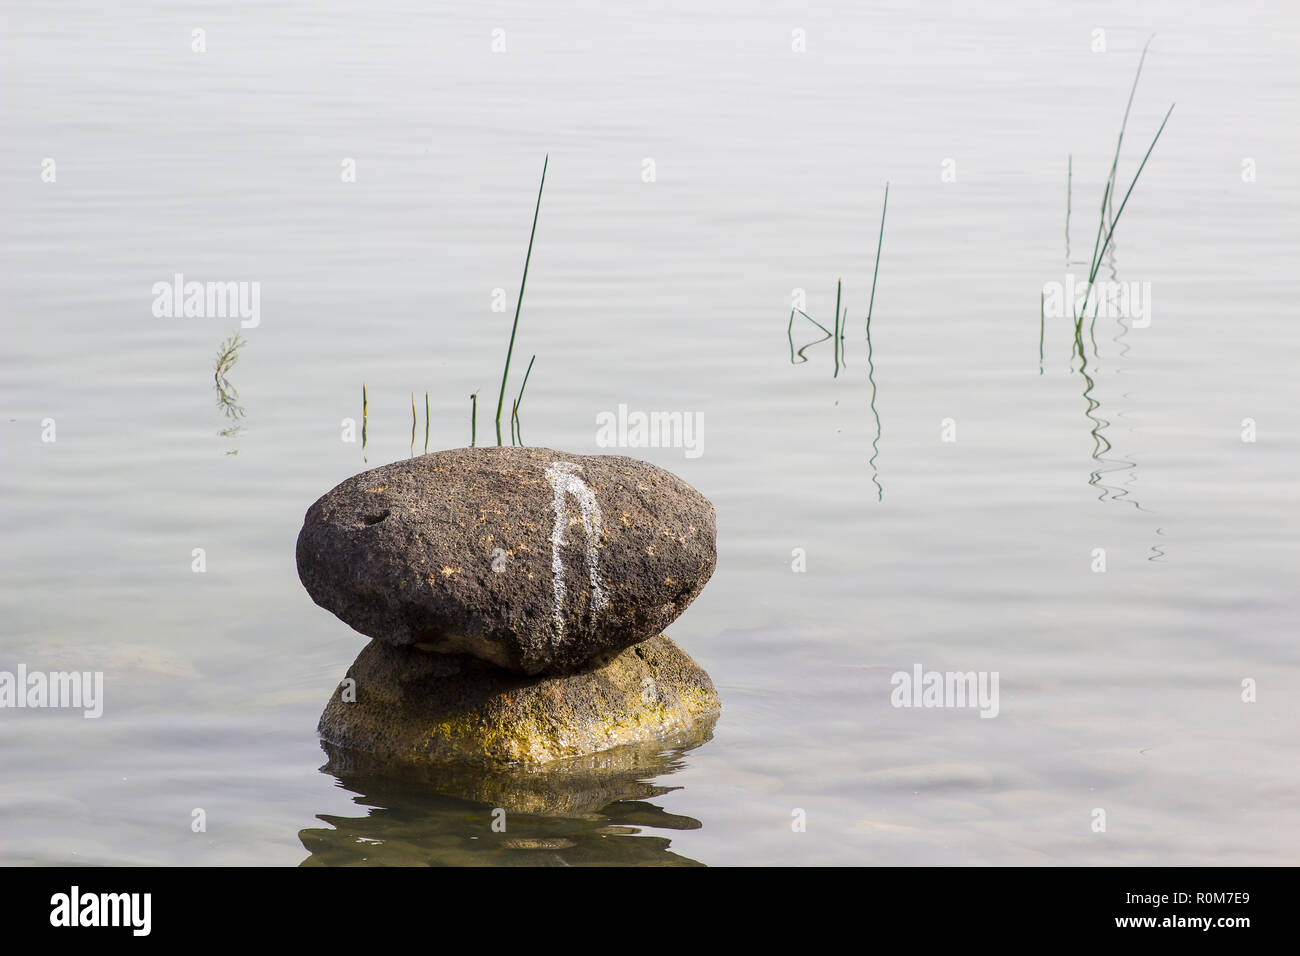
x: 416, y: 707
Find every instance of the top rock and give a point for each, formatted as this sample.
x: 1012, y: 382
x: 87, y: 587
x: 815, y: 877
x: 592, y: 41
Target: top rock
x: 536, y: 560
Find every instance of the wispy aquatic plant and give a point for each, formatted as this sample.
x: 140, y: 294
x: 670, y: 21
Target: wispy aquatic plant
x: 834, y: 334
x: 839, y: 329
x: 516, y: 426
x: 1100, y: 250
x: 837, y: 333
x: 413, y: 423
x: 227, y: 395
x: 514, y: 328
x: 798, y: 358
x: 839, y: 324
x: 516, y: 434
x: 1123, y: 126
x: 1109, y: 215
x: 880, y: 242
x: 1105, y: 229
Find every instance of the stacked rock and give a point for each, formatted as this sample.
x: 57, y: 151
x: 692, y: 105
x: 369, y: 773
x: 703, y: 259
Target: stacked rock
x: 516, y: 599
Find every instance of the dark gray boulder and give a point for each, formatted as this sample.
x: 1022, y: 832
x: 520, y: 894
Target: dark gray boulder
x: 535, y: 560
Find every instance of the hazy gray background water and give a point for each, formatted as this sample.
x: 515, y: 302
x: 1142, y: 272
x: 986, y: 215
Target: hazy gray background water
x: 1119, y: 691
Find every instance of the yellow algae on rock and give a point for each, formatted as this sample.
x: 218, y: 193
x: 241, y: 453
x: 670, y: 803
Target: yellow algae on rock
x: 416, y: 707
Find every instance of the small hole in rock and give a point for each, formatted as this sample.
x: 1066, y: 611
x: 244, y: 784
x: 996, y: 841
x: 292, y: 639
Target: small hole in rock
x: 375, y: 519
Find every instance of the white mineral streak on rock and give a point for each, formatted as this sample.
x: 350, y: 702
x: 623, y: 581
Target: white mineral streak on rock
x: 565, y: 482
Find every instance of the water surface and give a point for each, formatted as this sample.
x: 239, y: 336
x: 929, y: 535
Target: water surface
x: 1119, y: 690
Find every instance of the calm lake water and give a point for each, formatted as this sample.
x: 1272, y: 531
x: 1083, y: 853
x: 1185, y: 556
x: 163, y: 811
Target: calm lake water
x: 961, y: 533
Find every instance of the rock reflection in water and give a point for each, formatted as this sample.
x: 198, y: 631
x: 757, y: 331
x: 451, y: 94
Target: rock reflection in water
x: 582, y: 812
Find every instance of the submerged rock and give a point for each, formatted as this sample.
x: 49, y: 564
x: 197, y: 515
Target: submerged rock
x: 535, y: 560
x: 416, y: 707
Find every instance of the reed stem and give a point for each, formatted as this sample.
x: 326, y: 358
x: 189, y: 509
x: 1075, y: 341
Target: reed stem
x: 505, y: 374
x: 838, y: 335
x: 879, y: 244
x: 1114, y: 166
